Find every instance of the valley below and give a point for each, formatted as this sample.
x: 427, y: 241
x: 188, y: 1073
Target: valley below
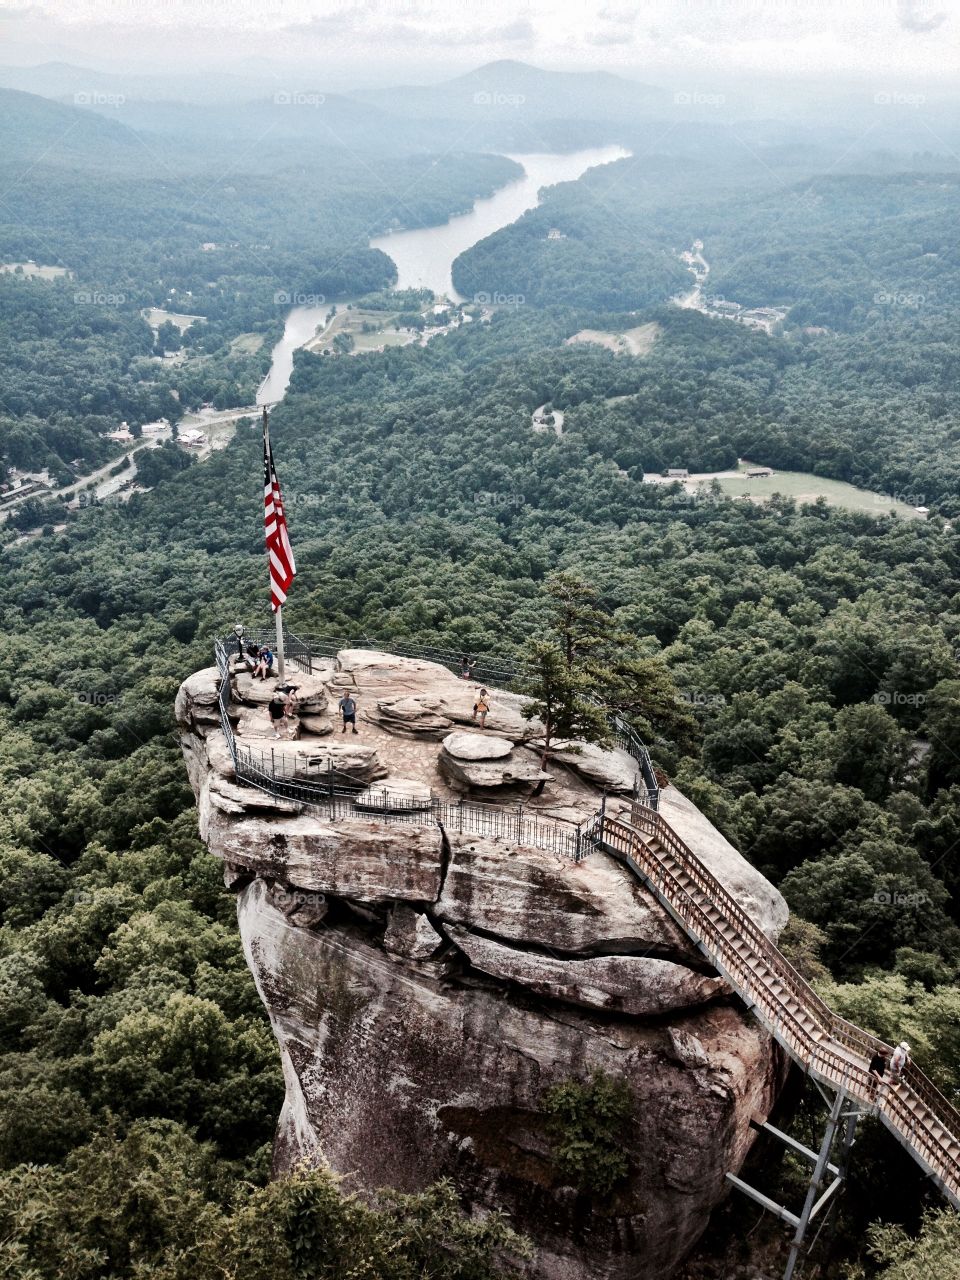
x: 499, y: 844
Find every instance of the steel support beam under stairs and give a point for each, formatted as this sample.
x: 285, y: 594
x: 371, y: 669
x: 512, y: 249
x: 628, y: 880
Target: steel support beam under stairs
x: 818, y: 1197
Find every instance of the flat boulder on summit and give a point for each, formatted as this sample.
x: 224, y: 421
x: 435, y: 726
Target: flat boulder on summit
x: 372, y: 668
x: 311, y: 694
x: 506, y: 772
x: 349, y: 762
x: 477, y: 746
x: 412, y: 715
x: 613, y: 770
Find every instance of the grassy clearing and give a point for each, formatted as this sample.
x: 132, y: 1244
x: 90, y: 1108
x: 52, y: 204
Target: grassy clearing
x: 805, y: 487
x: 381, y: 332
x: 802, y: 486
x: 630, y: 342
x: 32, y: 270
x: 246, y: 343
x: 155, y: 317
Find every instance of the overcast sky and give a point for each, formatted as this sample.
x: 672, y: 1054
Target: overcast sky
x: 361, y: 42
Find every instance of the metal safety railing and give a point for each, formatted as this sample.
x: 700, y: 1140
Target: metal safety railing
x: 308, y: 653
x: 825, y: 1045
x: 646, y: 789
x: 334, y: 793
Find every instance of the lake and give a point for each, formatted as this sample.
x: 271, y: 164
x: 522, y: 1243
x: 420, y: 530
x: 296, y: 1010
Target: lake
x: 424, y: 257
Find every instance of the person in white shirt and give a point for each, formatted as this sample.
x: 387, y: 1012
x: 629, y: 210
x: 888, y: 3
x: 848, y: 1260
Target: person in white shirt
x: 901, y: 1056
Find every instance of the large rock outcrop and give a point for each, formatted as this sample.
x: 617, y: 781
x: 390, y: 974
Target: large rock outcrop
x: 427, y: 985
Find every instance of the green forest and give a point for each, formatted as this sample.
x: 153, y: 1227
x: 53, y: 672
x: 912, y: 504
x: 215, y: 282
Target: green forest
x: 76, y: 356
x: 816, y: 650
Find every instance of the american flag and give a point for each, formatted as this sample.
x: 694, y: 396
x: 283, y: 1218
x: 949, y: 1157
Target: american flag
x: 282, y: 567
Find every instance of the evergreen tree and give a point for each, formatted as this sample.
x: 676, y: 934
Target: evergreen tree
x: 561, y: 699
x: 613, y: 672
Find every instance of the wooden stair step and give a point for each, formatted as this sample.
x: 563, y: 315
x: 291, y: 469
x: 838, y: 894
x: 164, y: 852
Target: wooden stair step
x: 769, y: 989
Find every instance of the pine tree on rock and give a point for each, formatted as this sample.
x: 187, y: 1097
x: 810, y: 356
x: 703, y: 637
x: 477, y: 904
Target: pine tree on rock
x: 561, y: 697
x: 605, y: 672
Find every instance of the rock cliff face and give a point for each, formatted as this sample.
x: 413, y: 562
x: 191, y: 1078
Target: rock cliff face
x: 426, y: 987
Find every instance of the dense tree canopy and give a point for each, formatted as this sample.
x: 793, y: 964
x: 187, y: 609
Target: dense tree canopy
x: 794, y: 667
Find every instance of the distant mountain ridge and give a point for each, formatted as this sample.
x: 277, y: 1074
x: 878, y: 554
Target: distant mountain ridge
x: 62, y: 80
x: 35, y: 129
x: 506, y: 106
x: 507, y: 86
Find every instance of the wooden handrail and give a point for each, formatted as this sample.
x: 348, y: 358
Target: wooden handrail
x: 817, y: 1038
x: 839, y: 1028
x: 656, y: 825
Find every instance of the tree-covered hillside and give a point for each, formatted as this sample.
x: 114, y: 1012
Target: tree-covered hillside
x: 815, y: 649
x: 235, y: 240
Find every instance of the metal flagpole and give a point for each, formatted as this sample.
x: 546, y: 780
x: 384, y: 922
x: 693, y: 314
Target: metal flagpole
x: 266, y: 449
x: 280, y: 642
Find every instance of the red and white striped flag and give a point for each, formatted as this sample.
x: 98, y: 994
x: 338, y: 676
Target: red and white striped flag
x: 283, y: 570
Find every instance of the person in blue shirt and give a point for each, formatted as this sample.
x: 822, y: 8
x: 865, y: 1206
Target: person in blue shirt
x: 348, y: 709
x: 264, y: 665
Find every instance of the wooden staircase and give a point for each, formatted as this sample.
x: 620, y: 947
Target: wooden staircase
x: 829, y: 1049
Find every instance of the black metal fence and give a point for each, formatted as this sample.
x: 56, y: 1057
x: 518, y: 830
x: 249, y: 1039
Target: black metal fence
x: 337, y: 796
x: 646, y: 789
x: 497, y: 671
x: 482, y: 669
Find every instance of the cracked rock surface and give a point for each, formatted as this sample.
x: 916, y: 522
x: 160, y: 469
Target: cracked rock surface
x: 426, y: 986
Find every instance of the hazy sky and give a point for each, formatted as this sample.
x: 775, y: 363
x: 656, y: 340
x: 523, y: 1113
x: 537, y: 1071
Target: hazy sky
x: 362, y: 41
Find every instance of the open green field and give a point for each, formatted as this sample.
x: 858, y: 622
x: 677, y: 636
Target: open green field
x: 246, y: 343
x: 387, y: 338
x: 805, y: 487
x: 802, y: 486
x: 352, y: 321
x: 155, y: 317
x: 33, y: 270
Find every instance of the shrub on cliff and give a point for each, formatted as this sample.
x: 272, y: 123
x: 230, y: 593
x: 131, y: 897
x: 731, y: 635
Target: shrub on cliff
x: 935, y: 1252
x: 584, y: 1122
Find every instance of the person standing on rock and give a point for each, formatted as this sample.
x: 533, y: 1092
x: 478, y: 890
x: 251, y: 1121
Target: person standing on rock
x: 466, y: 667
x: 277, y: 706
x: 480, y: 708
x: 348, y: 709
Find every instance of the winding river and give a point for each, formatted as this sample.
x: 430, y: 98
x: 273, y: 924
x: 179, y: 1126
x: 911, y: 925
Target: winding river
x: 424, y: 257
x: 300, y: 326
